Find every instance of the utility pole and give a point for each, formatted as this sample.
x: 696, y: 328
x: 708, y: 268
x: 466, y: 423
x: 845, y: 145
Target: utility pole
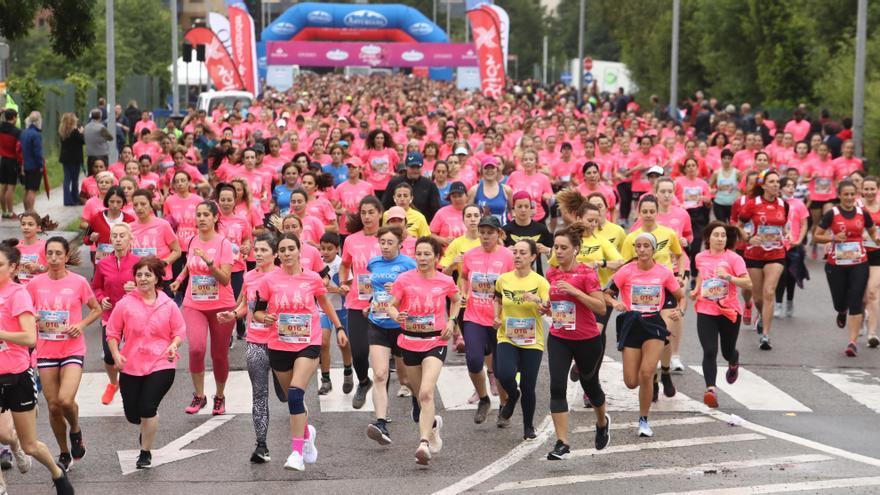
x: 175, y: 89
x: 859, y: 89
x: 544, y: 72
x: 673, y: 76
x: 111, y: 80
x: 580, y: 64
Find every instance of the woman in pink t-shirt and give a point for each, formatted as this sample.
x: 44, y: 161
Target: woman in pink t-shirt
x: 448, y: 222
x: 350, y: 193
x: 33, y: 250
x: 18, y: 391
x: 288, y: 300
x: 719, y: 310
x: 150, y: 324
x: 180, y: 211
x: 695, y: 197
x: 317, y: 206
x: 209, y: 292
x: 59, y: 296
x: 238, y: 231
x: 313, y: 227
x: 530, y: 180
x: 380, y: 157
x: 309, y: 257
x: 418, y: 302
x: 153, y: 236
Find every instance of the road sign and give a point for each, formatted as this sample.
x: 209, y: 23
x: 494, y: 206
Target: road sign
x: 588, y: 77
x: 565, y: 77
x: 588, y: 64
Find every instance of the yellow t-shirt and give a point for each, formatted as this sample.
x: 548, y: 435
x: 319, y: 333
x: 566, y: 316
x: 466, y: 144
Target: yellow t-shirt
x: 667, y: 242
x: 521, y: 323
x: 416, y: 223
x: 613, y: 233
x: 459, y: 245
x: 596, y: 249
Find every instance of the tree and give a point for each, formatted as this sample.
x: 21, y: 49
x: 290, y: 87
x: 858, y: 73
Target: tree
x: 72, y: 23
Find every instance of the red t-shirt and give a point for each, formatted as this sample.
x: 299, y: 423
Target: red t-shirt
x: 769, y: 221
x: 571, y: 318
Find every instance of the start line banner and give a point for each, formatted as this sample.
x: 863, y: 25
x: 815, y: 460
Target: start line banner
x: 332, y: 54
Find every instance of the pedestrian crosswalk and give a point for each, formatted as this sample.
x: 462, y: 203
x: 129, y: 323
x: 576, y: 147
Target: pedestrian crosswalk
x: 756, y: 393
x: 860, y: 385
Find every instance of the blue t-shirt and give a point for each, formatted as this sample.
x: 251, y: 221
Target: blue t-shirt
x: 340, y: 174
x: 281, y: 195
x: 383, y: 271
x: 444, y: 192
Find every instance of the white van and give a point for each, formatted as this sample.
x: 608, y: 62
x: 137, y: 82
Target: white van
x: 209, y: 100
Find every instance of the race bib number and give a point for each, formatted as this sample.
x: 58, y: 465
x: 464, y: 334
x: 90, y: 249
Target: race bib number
x: 144, y: 251
x: 254, y: 323
x: 420, y: 323
x: 380, y: 165
x: 692, y: 196
x: 847, y: 253
x: 204, y: 288
x: 483, y: 285
x: 295, y: 328
x: 381, y: 303
x: 770, y: 236
x: 563, y: 314
x: 52, y: 324
x: 103, y: 250
x: 713, y: 289
x: 749, y: 228
x: 23, y: 275
x: 522, y: 331
x: 364, y: 287
x: 823, y: 185
x: 646, y: 298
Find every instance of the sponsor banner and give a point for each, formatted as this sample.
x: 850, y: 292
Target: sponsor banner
x: 485, y: 27
x: 244, y: 47
x: 327, y: 54
x: 504, y: 29
x: 220, y: 25
x: 221, y: 68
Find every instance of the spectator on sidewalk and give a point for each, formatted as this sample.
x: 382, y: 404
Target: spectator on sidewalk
x: 10, y: 160
x: 71, y: 156
x: 32, y: 158
x: 97, y: 139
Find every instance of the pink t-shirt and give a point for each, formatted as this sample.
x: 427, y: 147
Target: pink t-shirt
x: 843, y: 166
x: 310, y: 258
x: 193, y: 172
x: 606, y: 192
x: 563, y: 170
x: 312, y: 230
x: 257, y: 333
x: 380, y: 167
x: 147, y: 330
x: 356, y: 253
x: 482, y: 270
x: 448, y: 222
x: 350, y: 196
x: 59, y: 305
x: 797, y: 212
x: 237, y: 230
x: 643, y: 291
x: 14, y: 302
x: 292, y: 301
x: 34, y: 253
x: 181, y: 214
x: 204, y: 292
x: 424, y: 301
x: 571, y: 318
x: 258, y: 185
x: 715, y: 293
x: 93, y: 205
x: 690, y: 192
x: 537, y: 185
x: 822, y: 186
x: 153, y: 238
x: 675, y: 218
x: 322, y: 210
x: 640, y: 181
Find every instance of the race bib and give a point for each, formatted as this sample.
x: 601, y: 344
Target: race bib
x: 692, y: 196
x: 420, y: 324
x: 204, y: 288
x: 563, y: 314
x: 714, y: 289
x: 143, y: 251
x: 770, y: 236
x: 364, y: 287
x: 847, y: 253
x: 483, y: 285
x: 521, y: 331
x: 294, y: 328
x: 23, y: 275
x: 52, y: 324
x: 380, y: 165
x: 866, y: 242
x: 823, y: 185
x: 254, y: 323
x: 645, y: 298
x: 749, y: 228
x: 103, y: 250
x: 3, y: 346
x: 381, y: 303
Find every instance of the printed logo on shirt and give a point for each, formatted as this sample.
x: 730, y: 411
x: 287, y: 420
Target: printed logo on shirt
x: 517, y: 295
x: 662, y: 244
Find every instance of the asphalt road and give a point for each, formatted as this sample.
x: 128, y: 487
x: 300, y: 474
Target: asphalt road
x: 809, y: 417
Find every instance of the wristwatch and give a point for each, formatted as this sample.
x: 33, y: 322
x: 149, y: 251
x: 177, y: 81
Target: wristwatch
x: 340, y: 329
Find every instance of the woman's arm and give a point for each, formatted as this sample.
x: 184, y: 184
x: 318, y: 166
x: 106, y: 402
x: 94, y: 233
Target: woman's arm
x: 28, y: 334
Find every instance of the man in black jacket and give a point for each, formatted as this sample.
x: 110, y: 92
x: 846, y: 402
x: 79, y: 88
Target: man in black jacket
x: 426, y: 197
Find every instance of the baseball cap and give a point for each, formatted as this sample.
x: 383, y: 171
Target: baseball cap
x: 414, y: 159
x: 281, y: 123
x: 461, y: 150
x: 456, y: 188
x: 656, y: 169
x: 396, y: 212
x: 489, y: 161
x: 489, y: 221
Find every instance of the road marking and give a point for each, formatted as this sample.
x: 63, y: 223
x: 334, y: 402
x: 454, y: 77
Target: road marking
x: 756, y: 393
x: 695, y: 420
x: 336, y: 401
x: 518, y: 453
x: 174, y: 451
x: 788, y: 487
x: 665, y: 471
x: 455, y: 388
x: 860, y: 385
x: 88, y: 397
x: 668, y: 444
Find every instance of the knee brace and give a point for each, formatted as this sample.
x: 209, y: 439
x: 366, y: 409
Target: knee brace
x: 295, y: 402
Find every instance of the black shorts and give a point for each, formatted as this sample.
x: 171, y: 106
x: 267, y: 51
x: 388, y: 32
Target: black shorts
x: 105, y: 349
x: 47, y: 363
x: 283, y: 360
x: 8, y: 171
x: 18, y: 392
x: 760, y: 264
x: 385, y: 337
x: 818, y: 205
x: 31, y: 179
x: 874, y: 258
x: 415, y: 358
x: 641, y: 333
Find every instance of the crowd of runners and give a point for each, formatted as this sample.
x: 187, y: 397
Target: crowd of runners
x: 400, y: 219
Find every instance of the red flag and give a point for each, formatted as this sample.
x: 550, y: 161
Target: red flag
x: 244, y: 46
x: 485, y: 27
x: 46, y: 180
x: 220, y: 67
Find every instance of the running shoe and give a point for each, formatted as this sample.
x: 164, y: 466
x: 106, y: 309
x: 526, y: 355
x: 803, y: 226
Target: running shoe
x: 873, y: 341
x: 560, y: 452
x: 196, y: 405
x: 261, y: 454
x: 474, y: 398
x: 529, y: 433
x: 6, y: 460
x: 378, y: 432
x: 655, y: 394
x: 777, y: 310
x: 676, y: 364
x: 747, y: 314
x: 310, y: 452
x: 668, y: 386
x: 415, y: 409
x: 644, y: 429
x: 435, y: 443
x: 326, y: 387
x: 493, y: 385
x: 501, y: 422
x: 507, y: 410
x: 710, y: 398
x: 22, y: 461
x: 62, y: 485
x: 219, y: 406
x: 483, y: 407
x: 404, y: 391
x: 423, y: 453
x: 851, y: 350
x: 65, y: 461
x: 732, y: 373
x: 841, y: 319
x: 144, y: 460
x: 603, y: 434
x: 347, y: 383
x: 459, y: 344
x: 77, y: 447
x: 294, y: 462
x: 574, y: 373
x: 789, y: 308
x: 360, y: 395
x: 587, y: 403
x: 764, y: 343
x: 109, y: 392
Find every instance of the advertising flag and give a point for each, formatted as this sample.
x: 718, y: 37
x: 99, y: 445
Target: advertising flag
x: 244, y: 47
x: 485, y: 27
x: 221, y: 68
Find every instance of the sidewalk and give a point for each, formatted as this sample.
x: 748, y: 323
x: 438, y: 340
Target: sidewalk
x: 54, y: 207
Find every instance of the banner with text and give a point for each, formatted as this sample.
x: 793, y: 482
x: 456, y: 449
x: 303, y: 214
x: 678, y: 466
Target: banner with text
x: 486, y: 28
x: 221, y: 68
x: 329, y: 54
x: 244, y: 47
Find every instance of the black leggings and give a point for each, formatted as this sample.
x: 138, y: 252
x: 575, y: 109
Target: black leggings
x: 508, y: 360
x: 141, y: 395
x: 360, y: 344
x: 847, y: 284
x: 722, y: 213
x: 786, y: 282
x: 237, y: 281
x: 710, y: 328
x: 176, y: 268
x: 624, y: 190
x: 587, y: 354
x: 699, y: 220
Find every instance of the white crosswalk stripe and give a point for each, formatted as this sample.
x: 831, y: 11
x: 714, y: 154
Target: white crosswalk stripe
x: 668, y: 444
x: 455, y: 388
x: 336, y: 401
x: 860, y: 385
x: 756, y: 393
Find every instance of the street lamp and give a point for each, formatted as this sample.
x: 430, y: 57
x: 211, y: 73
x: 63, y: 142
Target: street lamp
x: 111, y: 80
